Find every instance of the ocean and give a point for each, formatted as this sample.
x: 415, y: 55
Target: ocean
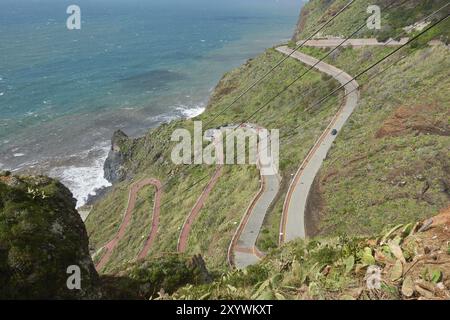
x: 133, y: 65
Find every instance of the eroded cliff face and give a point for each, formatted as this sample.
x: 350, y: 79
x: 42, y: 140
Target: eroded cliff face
x: 41, y: 236
x: 301, y: 23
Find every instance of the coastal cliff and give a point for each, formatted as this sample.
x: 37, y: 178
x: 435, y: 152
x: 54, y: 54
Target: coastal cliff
x: 384, y: 178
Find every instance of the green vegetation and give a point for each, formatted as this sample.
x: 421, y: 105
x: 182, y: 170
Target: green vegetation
x: 341, y: 268
x: 141, y: 222
x: 367, y: 180
x: 201, y: 239
x: 389, y: 167
x: 391, y: 162
x: 41, y: 235
x: 159, y: 275
x: 374, y: 178
x: 150, y: 157
x: 393, y: 20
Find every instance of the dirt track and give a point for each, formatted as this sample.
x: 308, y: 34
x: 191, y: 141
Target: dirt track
x: 132, y: 198
x: 355, y: 43
x: 186, y: 229
x: 187, y: 226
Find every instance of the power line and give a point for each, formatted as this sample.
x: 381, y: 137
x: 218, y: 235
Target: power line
x: 278, y: 64
x: 296, y: 49
x: 354, y: 78
x: 272, y: 69
x: 381, y: 60
x: 378, y: 62
x: 313, y: 66
x: 373, y: 66
x: 304, y: 93
x: 391, y: 4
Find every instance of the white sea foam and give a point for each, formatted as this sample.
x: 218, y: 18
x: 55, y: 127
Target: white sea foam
x: 83, y: 180
x: 191, y: 112
x: 181, y: 111
x: 24, y: 165
x: 16, y: 155
x: 163, y: 118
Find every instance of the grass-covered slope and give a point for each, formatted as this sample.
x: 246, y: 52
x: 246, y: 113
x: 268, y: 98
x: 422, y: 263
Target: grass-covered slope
x: 388, y: 166
x: 391, y: 163
x: 406, y: 262
x: 398, y: 14
x: 149, y: 156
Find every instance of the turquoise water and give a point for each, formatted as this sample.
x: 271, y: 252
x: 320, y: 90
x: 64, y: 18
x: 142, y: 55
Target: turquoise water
x: 133, y: 65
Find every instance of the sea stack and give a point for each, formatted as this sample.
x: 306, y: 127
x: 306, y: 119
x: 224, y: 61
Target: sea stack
x: 114, y: 169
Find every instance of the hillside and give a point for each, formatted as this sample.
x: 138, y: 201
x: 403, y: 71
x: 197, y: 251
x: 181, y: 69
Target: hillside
x: 401, y: 14
x: 42, y: 235
x: 413, y: 258
x: 407, y: 262
x: 391, y: 163
x: 387, y: 173
x: 149, y: 156
x: 372, y: 177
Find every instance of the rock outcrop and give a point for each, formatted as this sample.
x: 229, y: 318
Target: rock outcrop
x: 42, y: 242
x: 114, y: 169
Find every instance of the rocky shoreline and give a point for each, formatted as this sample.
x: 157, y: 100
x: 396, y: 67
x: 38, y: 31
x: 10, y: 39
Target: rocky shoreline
x: 113, y: 170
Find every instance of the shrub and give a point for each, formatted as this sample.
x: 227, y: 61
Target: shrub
x: 168, y: 273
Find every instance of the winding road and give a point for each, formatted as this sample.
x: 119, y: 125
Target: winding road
x: 187, y: 226
x: 355, y: 43
x: 132, y: 199
x: 242, y: 251
x: 292, y: 224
